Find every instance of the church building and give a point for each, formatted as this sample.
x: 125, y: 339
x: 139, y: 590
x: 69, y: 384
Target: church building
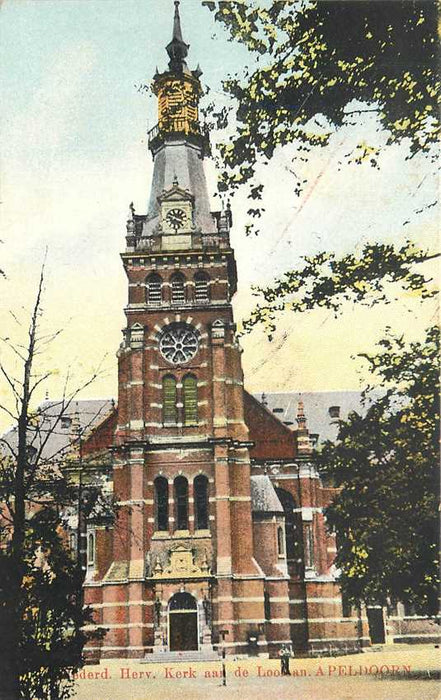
x: 218, y: 536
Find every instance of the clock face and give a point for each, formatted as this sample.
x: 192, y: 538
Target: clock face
x: 178, y: 344
x: 176, y: 218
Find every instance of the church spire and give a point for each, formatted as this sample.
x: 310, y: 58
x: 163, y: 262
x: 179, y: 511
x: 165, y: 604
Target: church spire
x: 177, y: 49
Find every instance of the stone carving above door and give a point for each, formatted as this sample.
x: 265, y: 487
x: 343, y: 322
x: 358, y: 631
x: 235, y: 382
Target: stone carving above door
x: 181, y: 564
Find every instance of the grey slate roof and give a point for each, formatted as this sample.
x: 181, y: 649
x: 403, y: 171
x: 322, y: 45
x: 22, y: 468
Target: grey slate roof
x: 317, y: 404
x: 263, y: 496
x: 83, y: 413
x: 179, y: 160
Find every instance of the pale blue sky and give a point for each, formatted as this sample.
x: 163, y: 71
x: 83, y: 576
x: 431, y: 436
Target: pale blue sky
x: 74, y: 155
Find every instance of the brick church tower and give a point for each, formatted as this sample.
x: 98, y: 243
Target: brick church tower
x: 182, y: 571
x: 218, y: 533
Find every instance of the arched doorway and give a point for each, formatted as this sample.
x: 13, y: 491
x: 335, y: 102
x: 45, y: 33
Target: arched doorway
x: 183, y: 623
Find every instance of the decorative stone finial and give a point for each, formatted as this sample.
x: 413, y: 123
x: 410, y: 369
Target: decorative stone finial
x: 301, y: 418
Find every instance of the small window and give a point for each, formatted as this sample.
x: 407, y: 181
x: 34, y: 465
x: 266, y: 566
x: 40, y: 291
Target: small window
x: 267, y: 605
x: 190, y: 390
x: 280, y: 542
x: 201, y: 502
x: 73, y: 541
x: 154, y: 290
x: 181, y: 503
x: 65, y: 422
x: 178, y: 289
x: 169, y: 397
x: 161, y: 502
x: 91, y: 548
x: 201, y: 287
x: 309, y: 547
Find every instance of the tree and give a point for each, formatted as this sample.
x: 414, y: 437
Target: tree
x: 41, y: 602
x: 319, y: 66
x: 325, y: 281
x: 386, y: 467
x: 321, y: 62
x: 51, y: 607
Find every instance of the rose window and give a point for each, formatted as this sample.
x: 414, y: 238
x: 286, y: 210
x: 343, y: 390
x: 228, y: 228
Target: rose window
x: 178, y: 344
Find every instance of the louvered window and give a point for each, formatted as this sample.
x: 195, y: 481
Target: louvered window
x: 201, y: 287
x: 178, y: 289
x: 161, y: 502
x: 181, y: 502
x: 169, y: 408
x: 154, y: 290
x: 201, y: 502
x: 190, y: 391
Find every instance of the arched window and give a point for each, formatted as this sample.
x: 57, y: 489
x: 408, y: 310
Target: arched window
x: 169, y: 407
x: 91, y: 548
x: 201, y: 502
x: 178, y: 288
x: 190, y: 391
x: 181, y: 503
x: 201, y: 287
x: 280, y: 542
x: 161, y: 503
x: 293, y: 527
x: 154, y: 289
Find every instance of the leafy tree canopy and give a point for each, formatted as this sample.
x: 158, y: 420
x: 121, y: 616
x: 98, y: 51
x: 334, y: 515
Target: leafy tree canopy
x: 325, y: 281
x: 385, y: 465
x: 318, y: 66
x: 321, y: 63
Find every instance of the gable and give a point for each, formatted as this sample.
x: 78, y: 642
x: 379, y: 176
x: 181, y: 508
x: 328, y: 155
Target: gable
x: 175, y: 194
x: 101, y: 437
x: 272, y: 439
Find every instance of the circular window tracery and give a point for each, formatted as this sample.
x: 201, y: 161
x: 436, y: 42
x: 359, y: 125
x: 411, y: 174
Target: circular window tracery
x: 178, y: 344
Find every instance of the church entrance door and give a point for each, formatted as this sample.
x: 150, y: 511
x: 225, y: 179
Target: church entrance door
x: 183, y: 623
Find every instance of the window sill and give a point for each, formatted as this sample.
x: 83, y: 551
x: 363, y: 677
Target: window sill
x: 202, y: 533
x: 180, y: 534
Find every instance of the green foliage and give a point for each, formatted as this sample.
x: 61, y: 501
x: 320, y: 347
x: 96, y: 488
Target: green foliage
x: 326, y: 281
x: 318, y: 64
x: 386, y: 467
x: 50, y: 608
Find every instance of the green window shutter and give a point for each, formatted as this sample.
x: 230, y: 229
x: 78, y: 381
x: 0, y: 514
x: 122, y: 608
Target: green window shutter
x: 169, y: 408
x: 190, y: 400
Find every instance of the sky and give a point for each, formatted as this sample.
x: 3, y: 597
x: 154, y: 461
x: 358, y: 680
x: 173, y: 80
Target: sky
x: 74, y: 155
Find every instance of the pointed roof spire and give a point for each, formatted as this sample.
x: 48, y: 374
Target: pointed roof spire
x: 177, y: 49
x: 177, y: 32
